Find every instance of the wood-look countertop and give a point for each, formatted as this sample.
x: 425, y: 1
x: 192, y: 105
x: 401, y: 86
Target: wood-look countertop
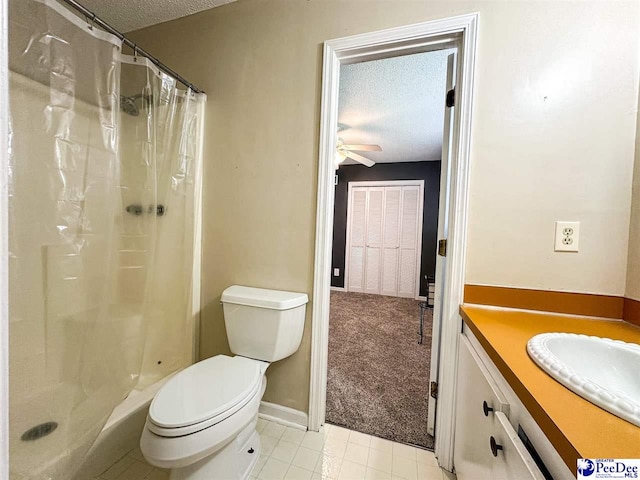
x: 575, y: 427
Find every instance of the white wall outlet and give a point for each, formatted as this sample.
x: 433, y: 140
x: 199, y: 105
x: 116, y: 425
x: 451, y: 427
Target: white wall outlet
x: 567, y: 236
x: 336, y: 272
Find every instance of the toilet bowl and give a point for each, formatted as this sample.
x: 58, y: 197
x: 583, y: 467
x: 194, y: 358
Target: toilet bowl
x: 202, y: 422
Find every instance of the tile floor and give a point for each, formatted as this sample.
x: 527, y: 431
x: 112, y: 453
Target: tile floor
x: 133, y: 467
x: 335, y: 453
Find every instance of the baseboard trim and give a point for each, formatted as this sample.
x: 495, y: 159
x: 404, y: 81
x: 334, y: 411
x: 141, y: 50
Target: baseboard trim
x: 338, y: 289
x: 286, y: 416
x: 593, y: 305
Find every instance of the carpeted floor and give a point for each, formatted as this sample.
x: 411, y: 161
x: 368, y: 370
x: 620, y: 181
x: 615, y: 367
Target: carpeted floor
x: 378, y: 374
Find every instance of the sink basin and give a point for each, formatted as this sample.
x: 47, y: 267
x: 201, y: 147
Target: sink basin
x: 603, y: 371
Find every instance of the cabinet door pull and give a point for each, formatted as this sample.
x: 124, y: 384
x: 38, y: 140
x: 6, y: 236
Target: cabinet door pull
x: 486, y: 408
x: 494, y: 446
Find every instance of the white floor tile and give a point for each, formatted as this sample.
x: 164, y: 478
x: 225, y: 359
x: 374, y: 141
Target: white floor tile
x: 427, y: 472
x: 273, y: 470
x: 137, y: 454
x: 373, y: 474
x: 426, y: 457
x: 297, y: 473
x: 352, y: 471
x: 273, y: 430
x: 306, y: 458
x: 379, y: 460
x: 360, y: 438
x: 284, y: 451
x: 267, y: 444
x: 314, y: 440
x: 334, y: 448
x: 339, y: 433
x: 381, y: 444
x: 356, y: 453
x: 404, y: 451
x: 329, y: 467
x: 293, y: 435
x: 158, y: 474
x: 136, y: 471
x: 262, y: 423
x: 117, y: 468
x: 335, y: 453
x: 404, y: 468
x: 259, y: 464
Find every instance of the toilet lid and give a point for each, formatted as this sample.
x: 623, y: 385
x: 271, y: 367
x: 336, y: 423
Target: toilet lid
x: 205, y: 390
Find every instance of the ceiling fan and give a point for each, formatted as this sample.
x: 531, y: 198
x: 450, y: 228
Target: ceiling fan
x: 348, y: 151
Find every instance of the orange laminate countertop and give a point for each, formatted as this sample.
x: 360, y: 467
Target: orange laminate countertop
x: 575, y: 427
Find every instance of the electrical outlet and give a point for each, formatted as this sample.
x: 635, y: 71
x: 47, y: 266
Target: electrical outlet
x: 336, y: 272
x: 567, y: 236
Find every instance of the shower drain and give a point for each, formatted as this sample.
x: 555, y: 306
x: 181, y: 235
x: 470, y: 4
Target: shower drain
x: 39, y: 431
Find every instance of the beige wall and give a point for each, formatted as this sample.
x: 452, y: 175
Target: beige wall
x: 553, y: 139
x: 633, y: 269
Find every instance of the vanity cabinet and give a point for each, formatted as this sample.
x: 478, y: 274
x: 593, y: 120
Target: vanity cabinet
x: 486, y: 444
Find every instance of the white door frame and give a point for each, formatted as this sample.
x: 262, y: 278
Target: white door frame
x: 4, y: 243
x: 460, y: 31
x: 386, y: 183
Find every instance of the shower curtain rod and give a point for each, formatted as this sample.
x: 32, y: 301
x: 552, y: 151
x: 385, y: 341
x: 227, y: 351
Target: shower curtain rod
x: 136, y: 49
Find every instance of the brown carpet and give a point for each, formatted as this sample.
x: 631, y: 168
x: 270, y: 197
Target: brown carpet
x: 378, y: 374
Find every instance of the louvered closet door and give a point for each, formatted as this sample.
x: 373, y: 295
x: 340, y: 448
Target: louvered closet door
x: 357, y: 230
x: 373, y: 259
x: 408, y: 241
x: 391, y: 240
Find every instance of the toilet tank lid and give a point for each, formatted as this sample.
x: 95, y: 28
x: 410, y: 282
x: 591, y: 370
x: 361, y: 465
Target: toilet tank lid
x: 263, y: 298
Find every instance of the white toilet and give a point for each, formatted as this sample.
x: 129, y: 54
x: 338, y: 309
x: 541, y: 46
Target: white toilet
x: 202, y: 423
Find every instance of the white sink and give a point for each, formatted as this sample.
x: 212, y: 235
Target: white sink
x: 606, y: 372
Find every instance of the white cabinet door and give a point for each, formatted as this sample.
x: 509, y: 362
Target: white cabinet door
x: 472, y: 456
x: 391, y: 240
x: 477, y: 424
x: 510, y: 457
x: 357, y: 245
x: 373, y: 267
x: 408, y: 241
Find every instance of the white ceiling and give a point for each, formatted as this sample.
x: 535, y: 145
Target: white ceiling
x: 129, y: 15
x: 397, y: 103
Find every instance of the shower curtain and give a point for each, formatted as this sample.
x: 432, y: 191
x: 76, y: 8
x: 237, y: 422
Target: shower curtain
x: 104, y: 156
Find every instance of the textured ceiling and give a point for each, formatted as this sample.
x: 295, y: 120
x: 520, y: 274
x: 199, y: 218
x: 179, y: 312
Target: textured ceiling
x: 397, y: 103
x: 129, y: 15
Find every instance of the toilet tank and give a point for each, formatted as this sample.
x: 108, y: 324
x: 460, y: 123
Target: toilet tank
x: 263, y: 324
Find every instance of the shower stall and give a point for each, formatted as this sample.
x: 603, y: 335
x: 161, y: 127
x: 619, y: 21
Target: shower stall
x: 105, y: 158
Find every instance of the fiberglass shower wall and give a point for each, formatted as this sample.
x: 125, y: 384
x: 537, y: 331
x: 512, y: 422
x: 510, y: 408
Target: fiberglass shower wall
x: 99, y: 295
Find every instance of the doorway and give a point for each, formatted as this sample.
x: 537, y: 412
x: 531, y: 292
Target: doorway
x: 378, y: 363
x: 457, y: 32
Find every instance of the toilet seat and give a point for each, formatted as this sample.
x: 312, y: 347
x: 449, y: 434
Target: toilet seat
x: 204, y: 394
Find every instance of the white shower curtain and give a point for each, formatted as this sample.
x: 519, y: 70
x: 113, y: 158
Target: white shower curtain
x: 104, y: 151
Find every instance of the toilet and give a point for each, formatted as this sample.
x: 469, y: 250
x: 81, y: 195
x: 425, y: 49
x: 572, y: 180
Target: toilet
x: 202, y: 423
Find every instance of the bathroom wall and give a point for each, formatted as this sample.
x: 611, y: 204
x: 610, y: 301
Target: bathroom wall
x: 633, y: 270
x: 553, y: 136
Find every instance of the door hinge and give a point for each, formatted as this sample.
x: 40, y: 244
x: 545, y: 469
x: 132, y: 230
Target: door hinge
x: 442, y: 247
x: 434, y: 389
x: 451, y: 98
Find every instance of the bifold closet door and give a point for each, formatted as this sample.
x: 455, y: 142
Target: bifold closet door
x: 357, y: 244
x: 373, y: 258
x: 391, y: 240
x: 383, y: 240
x: 409, y: 241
